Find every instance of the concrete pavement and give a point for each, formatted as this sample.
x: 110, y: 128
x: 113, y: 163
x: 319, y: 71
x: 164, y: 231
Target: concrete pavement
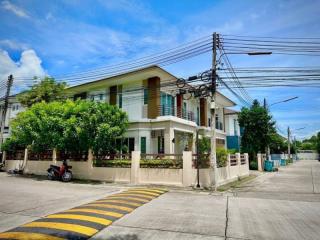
x: 281, y: 205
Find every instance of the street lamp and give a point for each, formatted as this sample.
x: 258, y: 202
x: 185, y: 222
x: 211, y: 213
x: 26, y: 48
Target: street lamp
x: 286, y: 100
x: 258, y: 53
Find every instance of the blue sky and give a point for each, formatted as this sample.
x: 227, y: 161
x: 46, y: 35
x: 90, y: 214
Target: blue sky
x: 60, y: 37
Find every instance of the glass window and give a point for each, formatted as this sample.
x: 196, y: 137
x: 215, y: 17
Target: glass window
x: 145, y: 96
x: 167, y: 104
x: 198, y: 116
x: 235, y: 127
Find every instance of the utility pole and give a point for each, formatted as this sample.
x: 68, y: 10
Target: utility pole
x: 5, y: 107
x: 212, y: 108
x: 288, y: 142
x: 268, y: 147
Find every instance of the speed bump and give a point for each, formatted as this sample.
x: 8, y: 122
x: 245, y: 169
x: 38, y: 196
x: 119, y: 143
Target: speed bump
x: 84, y: 221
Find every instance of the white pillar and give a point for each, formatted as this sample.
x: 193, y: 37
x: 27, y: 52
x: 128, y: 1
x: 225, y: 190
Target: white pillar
x: 246, y: 156
x: 4, y: 154
x: 259, y: 160
x: 54, y: 156
x: 25, y: 159
x: 90, y: 160
x: 228, y: 166
x: 135, y: 167
x: 238, y: 156
x: 187, y: 179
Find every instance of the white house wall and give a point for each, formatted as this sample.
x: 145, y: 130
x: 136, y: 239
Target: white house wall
x: 132, y: 101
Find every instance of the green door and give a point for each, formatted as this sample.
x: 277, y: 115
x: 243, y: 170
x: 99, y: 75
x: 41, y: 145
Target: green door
x: 143, y: 146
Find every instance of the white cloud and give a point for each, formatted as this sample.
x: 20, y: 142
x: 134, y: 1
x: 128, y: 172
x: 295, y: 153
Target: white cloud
x: 49, y: 16
x: 28, y: 66
x: 6, y: 43
x: 14, y: 9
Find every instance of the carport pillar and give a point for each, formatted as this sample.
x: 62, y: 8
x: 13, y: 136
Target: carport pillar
x: 168, y: 140
x: 259, y: 159
x: 135, y: 167
x: 187, y: 169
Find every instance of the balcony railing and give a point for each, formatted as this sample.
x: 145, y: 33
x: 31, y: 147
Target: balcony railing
x: 181, y: 113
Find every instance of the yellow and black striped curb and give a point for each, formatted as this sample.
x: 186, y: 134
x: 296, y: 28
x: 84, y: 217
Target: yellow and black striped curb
x: 84, y: 221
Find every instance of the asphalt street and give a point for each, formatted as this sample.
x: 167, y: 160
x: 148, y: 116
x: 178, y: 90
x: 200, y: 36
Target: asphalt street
x: 280, y: 205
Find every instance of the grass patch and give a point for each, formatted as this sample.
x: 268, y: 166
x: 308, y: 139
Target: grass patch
x: 235, y: 184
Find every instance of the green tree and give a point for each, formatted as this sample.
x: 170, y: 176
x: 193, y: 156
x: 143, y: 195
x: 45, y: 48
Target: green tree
x: 47, y: 90
x: 71, y: 126
x: 318, y: 143
x: 277, y: 144
x: 258, y: 128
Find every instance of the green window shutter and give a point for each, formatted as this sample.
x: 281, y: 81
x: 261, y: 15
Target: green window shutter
x: 143, y: 146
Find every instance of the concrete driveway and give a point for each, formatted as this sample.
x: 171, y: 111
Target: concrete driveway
x: 282, y: 205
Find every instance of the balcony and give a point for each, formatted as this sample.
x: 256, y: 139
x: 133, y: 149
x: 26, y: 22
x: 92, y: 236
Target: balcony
x: 181, y: 113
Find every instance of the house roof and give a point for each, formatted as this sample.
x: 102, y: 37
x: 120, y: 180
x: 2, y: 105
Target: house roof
x: 228, y: 111
x: 136, y: 74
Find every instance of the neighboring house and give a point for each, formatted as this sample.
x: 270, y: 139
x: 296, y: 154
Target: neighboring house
x: 14, y: 107
x: 161, y: 118
x: 232, y: 129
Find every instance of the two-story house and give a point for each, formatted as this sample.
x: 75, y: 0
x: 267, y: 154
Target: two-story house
x: 162, y: 119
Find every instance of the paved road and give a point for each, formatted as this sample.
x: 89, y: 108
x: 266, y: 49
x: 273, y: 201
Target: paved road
x: 282, y: 205
x: 86, y: 220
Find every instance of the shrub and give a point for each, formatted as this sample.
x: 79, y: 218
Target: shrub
x: 222, y: 156
x: 232, y: 151
x: 154, y: 163
x: 253, y: 165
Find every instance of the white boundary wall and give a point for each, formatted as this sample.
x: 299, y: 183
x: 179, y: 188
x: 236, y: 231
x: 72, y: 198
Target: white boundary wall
x: 308, y: 156
x: 187, y: 176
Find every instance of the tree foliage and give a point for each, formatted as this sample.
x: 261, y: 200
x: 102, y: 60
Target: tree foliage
x: 258, y: 129
x: 278, y: 144
x: 47, y: 90
x: 312, y: 143
x: 70, y: 126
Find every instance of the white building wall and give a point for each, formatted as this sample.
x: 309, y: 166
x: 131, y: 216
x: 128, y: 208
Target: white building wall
x: 132, y: 101
x: 230, y: 130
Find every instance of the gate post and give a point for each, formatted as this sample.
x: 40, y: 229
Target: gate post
x: 135, y: 167
x: 187, y: 169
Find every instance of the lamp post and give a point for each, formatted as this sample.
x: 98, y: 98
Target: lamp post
x: 265, y: 107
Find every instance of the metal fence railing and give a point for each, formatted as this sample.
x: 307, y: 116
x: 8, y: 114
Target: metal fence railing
x: 72, y: 156
x: 15, y: 155
x: 40, y: 156
x: 203, y: 160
